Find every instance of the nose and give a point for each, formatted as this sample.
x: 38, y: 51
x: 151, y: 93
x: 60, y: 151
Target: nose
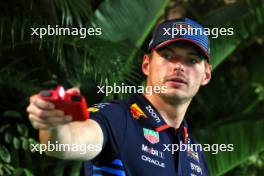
x: 178, y: 65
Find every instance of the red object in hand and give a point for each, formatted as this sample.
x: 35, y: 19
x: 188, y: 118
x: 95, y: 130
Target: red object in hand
x: 73, y: 104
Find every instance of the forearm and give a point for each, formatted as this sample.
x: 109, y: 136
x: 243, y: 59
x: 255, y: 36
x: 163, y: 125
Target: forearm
x: 59, y: 135
x: 86, y: 137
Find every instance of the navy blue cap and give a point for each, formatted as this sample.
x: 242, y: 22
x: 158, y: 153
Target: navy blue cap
x: 182, y: 29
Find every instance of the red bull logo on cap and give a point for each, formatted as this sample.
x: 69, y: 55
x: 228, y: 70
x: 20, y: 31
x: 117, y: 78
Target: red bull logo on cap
x: 136, y: 111
x: 181, y: 25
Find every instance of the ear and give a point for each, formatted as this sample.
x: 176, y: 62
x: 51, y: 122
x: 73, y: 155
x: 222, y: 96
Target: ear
x: 145, y: 65
x: 207, y: 74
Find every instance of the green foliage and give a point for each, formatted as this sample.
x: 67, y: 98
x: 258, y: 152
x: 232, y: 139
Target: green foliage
x: 30, y: 63
x: 242, y: 135
x: 236, y: 16
x: 228, y: 109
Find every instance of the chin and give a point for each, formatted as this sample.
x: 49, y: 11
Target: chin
x: 174, y: 92
x: 173, y: 95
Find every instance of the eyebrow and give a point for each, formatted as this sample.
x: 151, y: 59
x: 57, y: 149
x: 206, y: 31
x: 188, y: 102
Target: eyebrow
x: 195, y: 54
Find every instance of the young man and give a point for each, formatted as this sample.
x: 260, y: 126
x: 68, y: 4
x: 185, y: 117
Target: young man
x: 139, y: 136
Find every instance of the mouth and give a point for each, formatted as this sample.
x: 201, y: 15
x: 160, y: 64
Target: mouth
x: 177, y: 81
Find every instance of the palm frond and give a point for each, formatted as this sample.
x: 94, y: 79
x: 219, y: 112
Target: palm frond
x: 245, y: 137
x: 247, y: 20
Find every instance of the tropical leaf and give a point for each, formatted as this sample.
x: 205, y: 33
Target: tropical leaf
x: 4, y: 154
x: 132, y: 22
x: 109, y: 59
x: 247, y: 20
x: 74, y: 12
x: 245, y: 137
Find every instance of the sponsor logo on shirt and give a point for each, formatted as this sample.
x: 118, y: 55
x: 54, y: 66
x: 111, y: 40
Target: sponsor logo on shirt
x: 196, y: 168
x: 193, y: 154
x: 100, y: 105
x: 97, y: 107
x: 136, y: 111
x: 152, y: 161
x: 190, y: 151
x: 153, y: 114
x: 152, y: 151
x: 93, y: 109
x: 151, y: 135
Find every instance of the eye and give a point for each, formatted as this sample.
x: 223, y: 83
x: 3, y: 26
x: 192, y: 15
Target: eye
x: 193, y: 61
x: 168, y: 56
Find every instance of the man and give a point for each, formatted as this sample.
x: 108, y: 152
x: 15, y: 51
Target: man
x: 138, y: 136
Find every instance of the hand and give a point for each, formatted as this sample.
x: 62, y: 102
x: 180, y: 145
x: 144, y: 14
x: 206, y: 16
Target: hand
x: 43, y: 115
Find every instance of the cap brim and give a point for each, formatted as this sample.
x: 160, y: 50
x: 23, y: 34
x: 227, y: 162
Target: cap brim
x: 183, y: 39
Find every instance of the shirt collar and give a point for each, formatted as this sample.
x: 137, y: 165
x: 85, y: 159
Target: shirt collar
x: 147, y: 110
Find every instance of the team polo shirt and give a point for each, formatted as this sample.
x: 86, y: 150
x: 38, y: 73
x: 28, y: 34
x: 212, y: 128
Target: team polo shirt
x: 138, y: 142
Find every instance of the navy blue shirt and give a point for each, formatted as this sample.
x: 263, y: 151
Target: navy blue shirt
x: 137, y: 141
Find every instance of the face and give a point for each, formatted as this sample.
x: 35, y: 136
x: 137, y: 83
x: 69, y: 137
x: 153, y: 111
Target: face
x: 180, y: 68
